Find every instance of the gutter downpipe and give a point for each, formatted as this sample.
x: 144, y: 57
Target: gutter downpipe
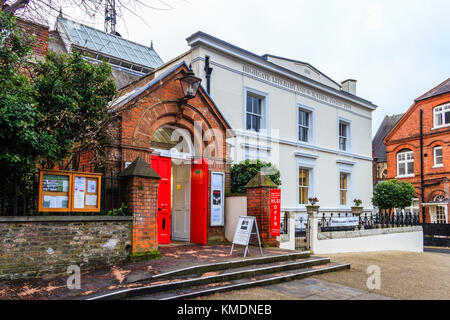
x: 421, y: 167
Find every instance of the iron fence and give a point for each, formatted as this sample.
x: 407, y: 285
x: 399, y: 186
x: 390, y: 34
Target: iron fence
x: 370, y: 220
x: 300, y: 226
x: 284, y: 223
x: 19, y: 194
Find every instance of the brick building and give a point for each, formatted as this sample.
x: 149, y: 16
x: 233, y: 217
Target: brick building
x: 418, y: 151
x: 185, y: 143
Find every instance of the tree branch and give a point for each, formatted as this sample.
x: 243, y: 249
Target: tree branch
x: 12, y: 8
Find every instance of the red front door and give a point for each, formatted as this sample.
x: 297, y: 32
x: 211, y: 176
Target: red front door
x: 163, y: 167
x: 199, y: 201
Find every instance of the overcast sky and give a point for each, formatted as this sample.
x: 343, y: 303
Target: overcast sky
x: 396, y: 50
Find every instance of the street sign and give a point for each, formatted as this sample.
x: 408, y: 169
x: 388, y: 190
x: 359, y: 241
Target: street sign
x: 245, y: 227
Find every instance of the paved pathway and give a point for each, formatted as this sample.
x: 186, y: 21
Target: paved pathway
x: 174, y: 256
x: 304, y: 289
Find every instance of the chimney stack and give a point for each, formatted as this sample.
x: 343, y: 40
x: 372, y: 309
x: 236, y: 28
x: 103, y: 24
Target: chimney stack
x: 349, y: 85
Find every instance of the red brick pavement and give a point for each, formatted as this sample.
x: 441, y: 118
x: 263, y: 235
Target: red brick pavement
x: 174, y: 256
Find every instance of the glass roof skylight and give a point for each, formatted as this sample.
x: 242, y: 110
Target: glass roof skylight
x: 90, y: 38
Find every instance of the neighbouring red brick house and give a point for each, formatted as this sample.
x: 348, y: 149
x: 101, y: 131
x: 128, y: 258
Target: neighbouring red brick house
x: 418, y: 151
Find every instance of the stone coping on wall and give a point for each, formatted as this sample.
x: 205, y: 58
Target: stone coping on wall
x: 365, y: 233
x: 13, y: 219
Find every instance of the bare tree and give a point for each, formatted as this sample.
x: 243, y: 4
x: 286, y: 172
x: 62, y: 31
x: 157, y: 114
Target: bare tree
x: 45, y: 11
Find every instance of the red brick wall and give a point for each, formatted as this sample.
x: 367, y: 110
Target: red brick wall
x: 258, y: 205
x: 157, y: 107
x: 142, y: 201
x: 406, y: 135
x: 40, y: 33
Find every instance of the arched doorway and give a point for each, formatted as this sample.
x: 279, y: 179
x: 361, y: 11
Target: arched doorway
x: 182, y: 194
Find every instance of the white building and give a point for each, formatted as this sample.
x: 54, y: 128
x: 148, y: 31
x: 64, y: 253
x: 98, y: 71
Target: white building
x: 315, y: 130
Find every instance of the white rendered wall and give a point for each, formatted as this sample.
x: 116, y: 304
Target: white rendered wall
x: 401, y: 241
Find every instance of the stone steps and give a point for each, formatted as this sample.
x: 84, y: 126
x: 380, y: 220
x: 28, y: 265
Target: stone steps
x: 218, y: 277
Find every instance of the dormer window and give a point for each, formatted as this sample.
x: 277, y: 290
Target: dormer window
x: 441, y: 116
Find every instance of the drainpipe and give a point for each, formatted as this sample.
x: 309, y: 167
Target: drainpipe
x: 421, y: 167
x: 208, y: 71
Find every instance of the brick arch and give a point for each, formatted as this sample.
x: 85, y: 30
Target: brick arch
x: 167, y: 113
x: 437, y: 193
x: 400, y: 147
x: 436, y: 143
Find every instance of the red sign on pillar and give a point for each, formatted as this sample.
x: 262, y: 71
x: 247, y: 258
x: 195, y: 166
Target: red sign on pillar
x: 275, y: 203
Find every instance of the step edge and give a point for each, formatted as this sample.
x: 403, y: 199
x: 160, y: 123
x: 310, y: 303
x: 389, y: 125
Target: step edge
x: 257, y: 283
x: 289, y: 256
x: 197, y: 281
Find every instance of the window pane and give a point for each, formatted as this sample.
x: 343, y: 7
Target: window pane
x: 249, y: 122
x: 410, y: 167
x: 343, y: 181
x: 303, y: 195
x: 249, y: 104
x: 303, y: 134
x: 342, y: 143
x: 447, y: 117
x: 342, y: 129
x: 343, y: 197
x: 257, y: 121
x: 303, y: 118
x: 401, y: 169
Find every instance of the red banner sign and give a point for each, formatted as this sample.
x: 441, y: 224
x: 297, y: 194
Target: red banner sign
x: 275, y: 204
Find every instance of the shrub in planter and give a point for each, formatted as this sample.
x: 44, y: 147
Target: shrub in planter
x: 243, y: 172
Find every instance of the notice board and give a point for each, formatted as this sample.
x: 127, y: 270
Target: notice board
x: 68, y: 191
x: 86, y: 192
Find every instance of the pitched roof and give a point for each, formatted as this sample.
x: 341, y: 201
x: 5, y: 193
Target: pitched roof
x: 192, y: 40
x: 266, y: 56
x: 378, y: 147
x: 442, y: 88
x: 92, y: 39
x: 125, y: 95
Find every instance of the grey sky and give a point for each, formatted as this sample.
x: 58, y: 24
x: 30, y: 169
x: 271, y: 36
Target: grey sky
x: 397, y: 50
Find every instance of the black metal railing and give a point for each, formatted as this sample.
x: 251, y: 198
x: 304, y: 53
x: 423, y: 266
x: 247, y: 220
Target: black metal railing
x: 113, y: 194
x: 300, y: 226
x: 19, y: 195
x: 370, y: 220
x: 284, y: 224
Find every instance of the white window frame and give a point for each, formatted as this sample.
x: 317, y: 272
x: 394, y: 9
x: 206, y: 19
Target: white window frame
x: 309, y: 163
x: 346, y: 168
x: 406, y: 161
x: 435, y: 218
x: 440, y: 111
x: 264, y: 125
x: 347, y: 189
x: 438, y: 165
x: 312, y: 119
x: 349, y: 134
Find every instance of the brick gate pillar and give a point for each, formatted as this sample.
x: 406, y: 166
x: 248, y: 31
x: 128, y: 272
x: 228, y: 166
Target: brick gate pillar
x: 258, y: 205
x: 142, y: 196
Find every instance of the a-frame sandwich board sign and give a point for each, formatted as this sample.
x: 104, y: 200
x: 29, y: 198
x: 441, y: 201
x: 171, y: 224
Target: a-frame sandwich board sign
x: 245, y: 228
